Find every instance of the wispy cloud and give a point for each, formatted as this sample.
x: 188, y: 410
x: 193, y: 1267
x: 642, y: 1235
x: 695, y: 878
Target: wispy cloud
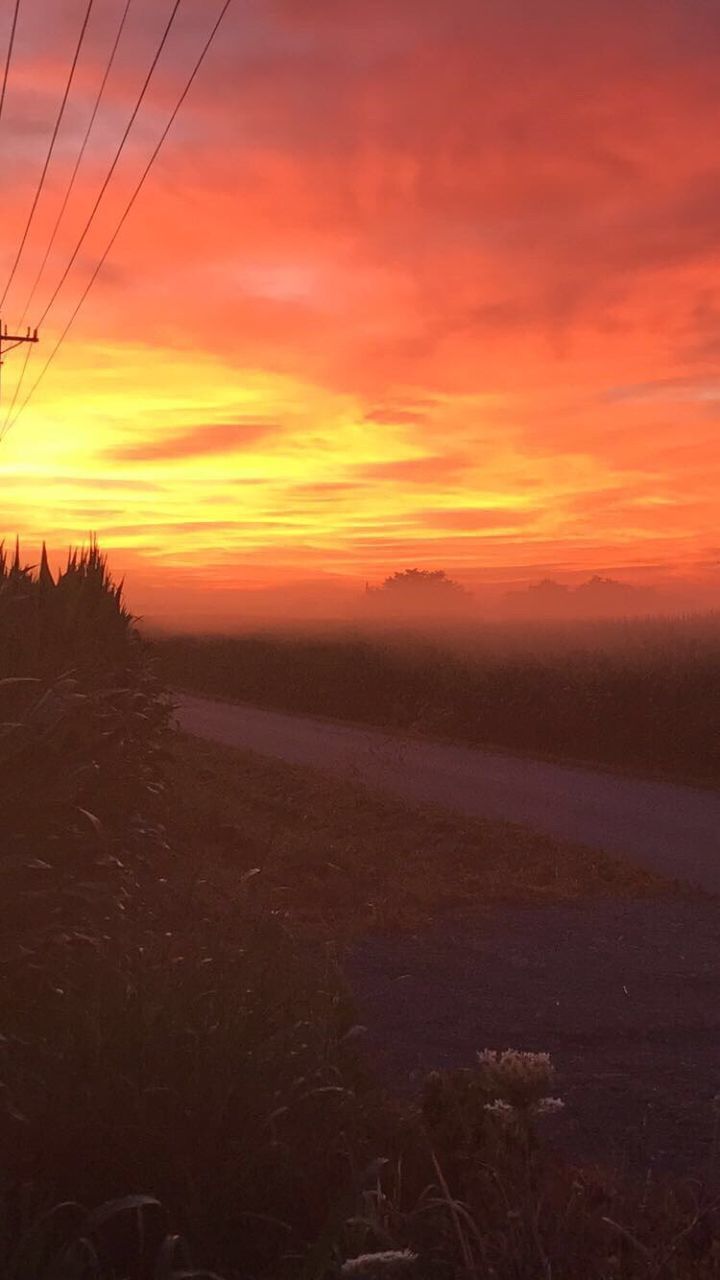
x: 214, y: 438
x: 433, y: 469
x: 473, y: 519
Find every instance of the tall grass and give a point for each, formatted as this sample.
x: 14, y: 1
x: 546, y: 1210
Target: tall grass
x: 187, y: 1051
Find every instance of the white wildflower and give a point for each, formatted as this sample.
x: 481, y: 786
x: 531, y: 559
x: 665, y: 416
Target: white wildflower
x: 519, y: 1078
x: 548, y: 1106
x: 393, y: 1264
x: 501, y: 1110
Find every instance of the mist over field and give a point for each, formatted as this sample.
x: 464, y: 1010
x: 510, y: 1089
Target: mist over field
x: 545, y: 600
x: 640, y: 694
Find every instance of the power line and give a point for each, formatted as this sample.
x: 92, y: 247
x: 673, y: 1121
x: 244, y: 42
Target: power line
x: 113, y: 166
x: 78, y: 162
x: 103, y: 189
x: 9, y: 341
x: 51, y: 149
x: 126, y: 211
x: 18, y: 387
x: 8, y: 59
x: 61, y: 214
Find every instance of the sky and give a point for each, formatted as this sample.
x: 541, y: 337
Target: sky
x: 411, y: 284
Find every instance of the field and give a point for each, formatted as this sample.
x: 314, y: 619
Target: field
x: 639, y: 695
x: 181, y: 1067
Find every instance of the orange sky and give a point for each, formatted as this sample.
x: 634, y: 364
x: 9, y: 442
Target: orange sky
x: 411, y: 284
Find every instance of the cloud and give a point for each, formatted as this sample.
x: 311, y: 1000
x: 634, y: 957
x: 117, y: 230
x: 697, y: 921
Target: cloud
x: 215, y: 529
x: 326, y: 488
x: 670, y: 390
x: 431, y: 469
x: 391, y: 416
x: 214, y: 438
x: 473, y: 518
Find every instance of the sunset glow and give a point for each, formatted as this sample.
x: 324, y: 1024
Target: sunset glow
x: 410, y: 284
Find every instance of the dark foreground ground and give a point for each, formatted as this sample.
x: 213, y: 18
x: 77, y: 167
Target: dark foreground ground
x: 625, y: 996
x: 460, y: 935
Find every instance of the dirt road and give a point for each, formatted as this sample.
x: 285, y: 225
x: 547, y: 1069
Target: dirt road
x: 672, y: 829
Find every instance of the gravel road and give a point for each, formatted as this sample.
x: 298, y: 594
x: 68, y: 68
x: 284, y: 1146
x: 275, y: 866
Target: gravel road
x: 623, y: 993
x: 671, y: 829
x: 625, y: 996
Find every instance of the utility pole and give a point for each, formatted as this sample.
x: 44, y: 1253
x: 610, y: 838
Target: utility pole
x: 8, y: 341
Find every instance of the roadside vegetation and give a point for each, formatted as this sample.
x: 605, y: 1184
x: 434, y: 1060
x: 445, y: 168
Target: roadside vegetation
x: 338, y: 860
x: 177, y: 1044
x: 638, y: 695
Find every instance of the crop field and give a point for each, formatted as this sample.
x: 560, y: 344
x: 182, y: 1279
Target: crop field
x: 638, y: 695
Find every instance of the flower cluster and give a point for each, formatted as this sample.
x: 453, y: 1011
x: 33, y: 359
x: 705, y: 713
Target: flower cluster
x: 518, y: 1081
x: 394, y: 1264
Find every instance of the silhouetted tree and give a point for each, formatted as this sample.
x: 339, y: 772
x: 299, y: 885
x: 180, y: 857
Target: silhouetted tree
x: 420, y: 590
x: 599, y: 596
x: 548, y: 590
x: 431, y: 581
